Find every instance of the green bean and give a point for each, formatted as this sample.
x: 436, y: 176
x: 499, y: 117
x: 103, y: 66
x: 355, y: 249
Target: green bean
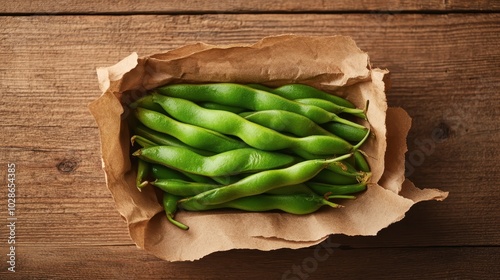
x: 260, y: 87
x: 298, y: 204
x: 142, y: 173
x: 327, y: 189
x: 346, y: 132
x: 162, y: 139
x: 252, y: 134
x: 299, y: 91
x: 186, y: 188
x: 147, y: 103
x: 217, y: 106
x: 226, y: 180
x: 262, y: 182
x: 249, y: 98
x: 248, y: 113
x: 344, y: 168
x: 183, y: 187
x: 341, y: 167
x: 223, y: 164
x: 332, y: 107
x: 191, y: 135
x: 292, y: 189
x: 360, y: 161
x: 170, y: 205
x: 329, y: 177
x: 162, y: 172
x: 284, y: 121
x: 143, y: 142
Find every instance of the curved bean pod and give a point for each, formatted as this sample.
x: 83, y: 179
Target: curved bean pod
x: 163, y: 172
x: 147, y: 103
x: 346, y: 132
x: 298, y: 91
x: 169, y: 202
x: 142, y: 173
x: 223, y: 164
x: 191, y: 135
x: 284, y: 121
x: 327, y: 189
x: 217, y: 106
x: 164, y: 139
x: 341, y: 167
x: 360, y: 162
x: 255, y: 135
x: 262, y: 182
x: 249, y: 98
x: 185, y: 188
x: 292, y: 189
x: 332, y: 107
x: 143, y: 142
x: 329, y: 177
x: 298, y: 204
x: 260, y: 87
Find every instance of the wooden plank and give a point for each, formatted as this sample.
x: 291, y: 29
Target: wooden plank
x: 444, y: 71
x: 251, y: 6
x: 320, y: 262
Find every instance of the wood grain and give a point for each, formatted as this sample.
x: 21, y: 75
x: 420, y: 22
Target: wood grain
x: 251, y: 6
x: 127, y: 262
x: 444, y: 72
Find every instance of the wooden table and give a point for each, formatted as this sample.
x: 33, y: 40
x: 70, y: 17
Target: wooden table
x: 444, y: 58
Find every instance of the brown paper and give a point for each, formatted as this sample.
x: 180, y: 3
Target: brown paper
x: 330, y: 63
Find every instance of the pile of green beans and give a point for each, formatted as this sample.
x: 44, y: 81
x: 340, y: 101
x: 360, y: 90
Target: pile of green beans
x: 248, y: 147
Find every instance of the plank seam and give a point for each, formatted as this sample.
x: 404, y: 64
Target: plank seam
x: 249, y: 12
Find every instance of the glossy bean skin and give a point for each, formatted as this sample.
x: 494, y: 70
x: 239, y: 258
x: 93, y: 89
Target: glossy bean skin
x: 142, y: 173
x: 329, y: 177
x: 165, y: 140
x: 360, y: 161
x: 186, y: 188
x: 332, y: 107
x: 191, y: 135
x: 147, y: 103
x: 163, y: 172
x: 299, y: 91
x: 169, y: 202
x: 323, y: 189
x: 254, y: 135
x: 292, y: 189
x: 249, y: 98
x: 224, y: 164
x: 298, y: 204
x: 227, y: 180
x: 262, y: 182
x: 217, y: 106
x: 182, y: 187
x: 284, y: 121
x: 340, y: 167
x: 260, y: 87
x: 346, y: 132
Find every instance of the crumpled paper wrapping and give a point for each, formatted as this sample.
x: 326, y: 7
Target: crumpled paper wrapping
x: 334, y: 64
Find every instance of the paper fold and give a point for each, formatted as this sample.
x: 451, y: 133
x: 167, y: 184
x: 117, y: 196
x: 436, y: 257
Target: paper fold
x: 333, y: 64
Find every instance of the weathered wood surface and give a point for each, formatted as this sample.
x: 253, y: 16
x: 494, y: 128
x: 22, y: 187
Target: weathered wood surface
x: 241, y: 6
x: 319, y: 262
x: 444, y: 72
